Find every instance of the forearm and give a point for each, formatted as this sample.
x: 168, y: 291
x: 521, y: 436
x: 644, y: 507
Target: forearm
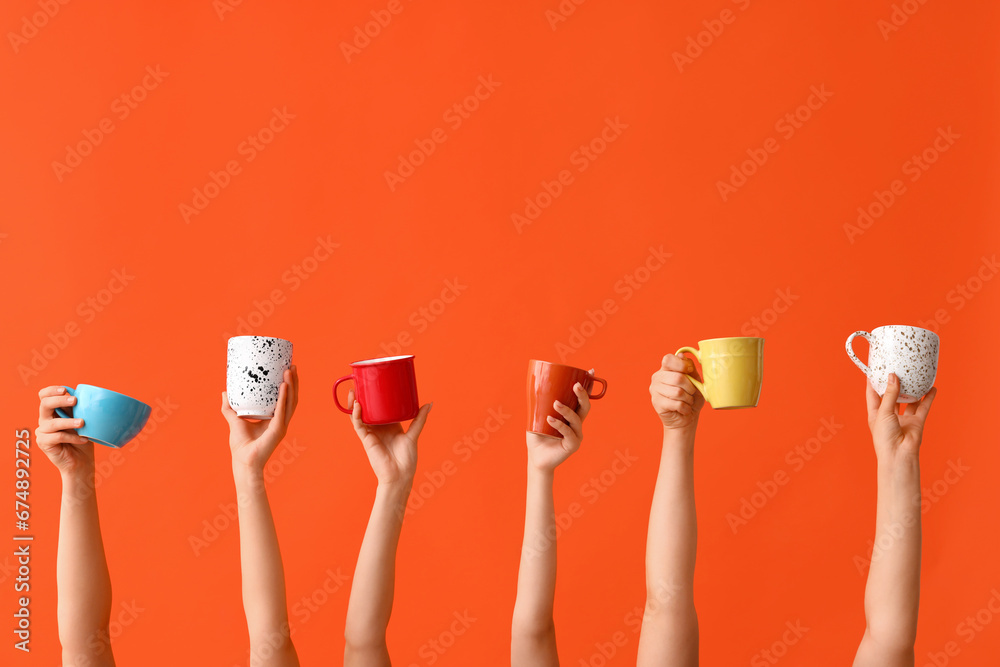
x: 671, y: 540
x: 370, y: 605
x: 893, y: 590
x: 82, y: 577
x: 264, y: 598
x: 533, y: 640
x: 670, y: 624
x: 536, y: 577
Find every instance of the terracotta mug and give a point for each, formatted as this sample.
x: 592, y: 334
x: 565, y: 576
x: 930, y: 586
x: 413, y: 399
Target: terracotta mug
x: 547, y: 383
x: 386, y: 388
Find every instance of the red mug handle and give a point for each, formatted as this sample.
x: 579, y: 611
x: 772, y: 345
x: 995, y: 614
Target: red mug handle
x: 337, y: 400
x: 604, y: 388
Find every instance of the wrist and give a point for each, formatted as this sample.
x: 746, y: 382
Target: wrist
x: 540, y: 474
x: 244, y: 474
x: 680, y: 437
x: 81, y: 472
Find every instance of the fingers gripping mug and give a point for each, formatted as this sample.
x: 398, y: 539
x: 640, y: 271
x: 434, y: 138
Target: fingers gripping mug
x: 386, y: 388
x: 732, y: 371
x: 109, y: 418
x: 547, y: 383
x: 909, y: 352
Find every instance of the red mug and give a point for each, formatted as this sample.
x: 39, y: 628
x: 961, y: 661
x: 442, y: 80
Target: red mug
x: 547, y: 383
x: 386, y: 388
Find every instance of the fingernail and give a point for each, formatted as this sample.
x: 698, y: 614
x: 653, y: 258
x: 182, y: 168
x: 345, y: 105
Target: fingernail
x: 78, y: 422
x: 558, y: 404
x: 61, y: 390
x: 72, y: 399
x: 552, y: 420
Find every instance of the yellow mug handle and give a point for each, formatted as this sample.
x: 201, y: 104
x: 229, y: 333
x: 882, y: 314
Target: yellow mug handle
x: 697, y: 355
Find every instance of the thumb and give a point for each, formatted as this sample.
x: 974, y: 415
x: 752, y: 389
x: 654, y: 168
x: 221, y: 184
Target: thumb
x: 227, y: 410
x: 417, y: 425
x: 887, y: 409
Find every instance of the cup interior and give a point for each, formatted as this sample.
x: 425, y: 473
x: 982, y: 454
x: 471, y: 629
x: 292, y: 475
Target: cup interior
x: 381, y: 360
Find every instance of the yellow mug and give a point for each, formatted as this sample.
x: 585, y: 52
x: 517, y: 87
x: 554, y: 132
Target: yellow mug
x: 732, y: 370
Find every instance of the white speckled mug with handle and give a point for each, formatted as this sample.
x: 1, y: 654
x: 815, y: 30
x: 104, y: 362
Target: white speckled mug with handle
x: 909, y: 352
x: 255, y: 367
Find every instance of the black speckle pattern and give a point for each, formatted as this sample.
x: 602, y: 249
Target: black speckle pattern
x: 909, y: 352
x: 255, y: 366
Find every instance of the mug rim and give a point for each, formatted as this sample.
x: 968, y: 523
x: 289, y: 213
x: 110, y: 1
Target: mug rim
x: 382, y: 360
x: 284, y: 340
x: 904, y: 326
x: 710, y: 340
x: 110, y: 391
x: 553, y: 363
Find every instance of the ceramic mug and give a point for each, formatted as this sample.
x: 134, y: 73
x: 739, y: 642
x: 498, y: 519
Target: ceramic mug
x: 109, y: 418
x: 732, y: 371
x: 909, y: 352
x: 255, y: 368
x: 385, y: 387
x: 547, y: 383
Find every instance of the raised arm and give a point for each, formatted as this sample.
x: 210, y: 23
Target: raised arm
x: 82, y: 578
x: 393, y: 456
x: 893, y: 592
x: 264, y: 602
x: 533, y: 633
x: 669, y: 633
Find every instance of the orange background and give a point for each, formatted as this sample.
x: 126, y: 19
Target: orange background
x: 163, y: 337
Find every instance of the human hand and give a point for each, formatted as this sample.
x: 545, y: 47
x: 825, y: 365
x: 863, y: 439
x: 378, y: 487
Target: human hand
x: 675, y: 398
x: 546, y: 452
x: 253, y: 442
x: 57, y: 437
x: 392, y: 452
x: 896, y: 434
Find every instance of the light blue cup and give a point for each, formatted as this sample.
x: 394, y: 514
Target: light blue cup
x: 109, y: 418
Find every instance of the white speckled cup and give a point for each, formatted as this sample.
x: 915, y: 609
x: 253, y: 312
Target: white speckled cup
x: 909, y: 352
x: 255, y: 366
